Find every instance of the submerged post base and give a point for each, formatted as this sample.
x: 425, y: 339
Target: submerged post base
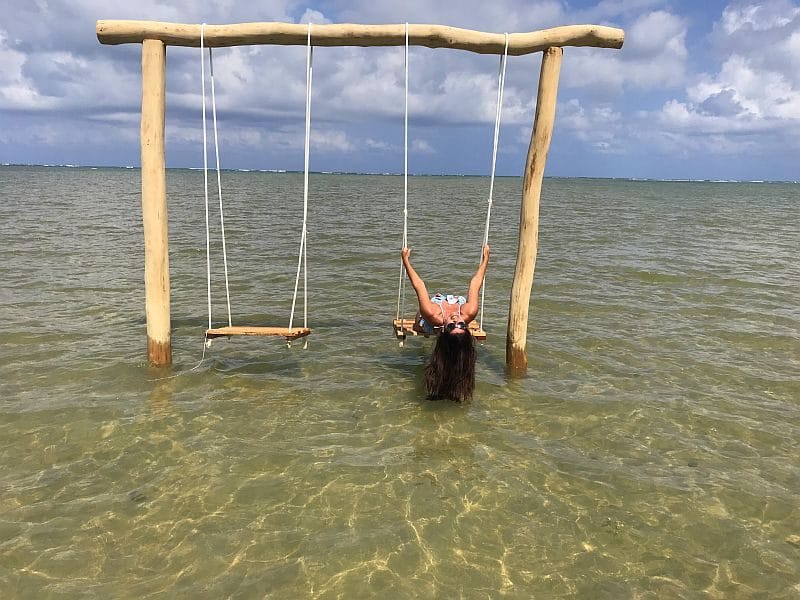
x: 159, y: 354
x: 516, y: 360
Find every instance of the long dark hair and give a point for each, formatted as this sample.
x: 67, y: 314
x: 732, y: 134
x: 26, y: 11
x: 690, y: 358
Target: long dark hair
x: 450, y: 372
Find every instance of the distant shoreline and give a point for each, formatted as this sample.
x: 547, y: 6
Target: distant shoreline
x: 293, y: 172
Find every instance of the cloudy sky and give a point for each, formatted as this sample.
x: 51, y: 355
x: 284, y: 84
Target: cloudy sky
x: 706, y: 90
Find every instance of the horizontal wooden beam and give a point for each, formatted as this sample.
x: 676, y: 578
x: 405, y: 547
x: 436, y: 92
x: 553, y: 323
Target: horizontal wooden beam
x: 346, y: 34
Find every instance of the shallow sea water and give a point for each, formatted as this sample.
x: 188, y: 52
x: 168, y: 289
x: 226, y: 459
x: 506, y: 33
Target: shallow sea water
x: 651, y: 452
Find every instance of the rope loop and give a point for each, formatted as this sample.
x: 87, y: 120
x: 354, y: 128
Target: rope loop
x: 205, y: 168
x: 501, y: 82
x: 219, y: 176
x: 302, y: 261
x: 401, y: 285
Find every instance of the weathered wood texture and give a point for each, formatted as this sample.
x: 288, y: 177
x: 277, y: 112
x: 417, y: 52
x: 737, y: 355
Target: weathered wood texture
x: 346, y: 34
x: 516, y: 359
x: 154, y: 204
x: 289, y: 334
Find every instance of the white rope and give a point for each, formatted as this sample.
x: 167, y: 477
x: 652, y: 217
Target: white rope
x: 301, y: 260
x: 219, y: 185
x: 205, y: 170
x: 179, y: 373
x: 501, y: 82
x: 401, y: 286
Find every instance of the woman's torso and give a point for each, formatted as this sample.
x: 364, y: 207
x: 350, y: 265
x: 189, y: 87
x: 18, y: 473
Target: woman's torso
x: 448, y: 306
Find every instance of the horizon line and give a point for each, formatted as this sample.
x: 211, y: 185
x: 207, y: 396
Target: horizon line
x: 390, y: 174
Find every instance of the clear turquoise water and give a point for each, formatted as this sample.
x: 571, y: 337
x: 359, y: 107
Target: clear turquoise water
x: 651, y: 452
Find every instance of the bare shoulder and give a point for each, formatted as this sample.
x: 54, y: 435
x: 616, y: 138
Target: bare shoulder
x: 431, y: 313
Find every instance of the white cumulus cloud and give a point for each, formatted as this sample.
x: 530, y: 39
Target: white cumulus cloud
x: 654, y: 56
x: 753, y: 100
x: 758, y: 16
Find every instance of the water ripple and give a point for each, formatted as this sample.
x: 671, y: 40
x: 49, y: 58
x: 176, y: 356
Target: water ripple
x: 651, y: 451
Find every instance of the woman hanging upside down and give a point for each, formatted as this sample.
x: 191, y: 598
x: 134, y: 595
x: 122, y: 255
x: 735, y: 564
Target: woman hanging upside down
x: 450, y: 372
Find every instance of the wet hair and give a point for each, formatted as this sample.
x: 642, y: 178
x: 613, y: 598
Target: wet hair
x: 450, y: 372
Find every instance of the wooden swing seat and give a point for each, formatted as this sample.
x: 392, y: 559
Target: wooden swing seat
x: 289, y: 334
x: 405, y: 327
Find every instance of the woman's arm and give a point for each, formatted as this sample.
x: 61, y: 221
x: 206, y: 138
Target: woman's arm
x: 470, y: 310
x: 426, y: 307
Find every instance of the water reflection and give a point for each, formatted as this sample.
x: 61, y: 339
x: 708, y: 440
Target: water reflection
x: 162, y: 391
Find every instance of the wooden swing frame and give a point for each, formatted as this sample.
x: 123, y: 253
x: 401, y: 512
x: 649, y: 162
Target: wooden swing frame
x: 156, y: 36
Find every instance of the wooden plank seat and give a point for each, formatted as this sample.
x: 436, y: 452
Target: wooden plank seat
x: 289, y: 334
x: 405, y: 327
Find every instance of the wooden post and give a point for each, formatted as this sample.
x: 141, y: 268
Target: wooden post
x: 516, y: 359
x: 154, y: 203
